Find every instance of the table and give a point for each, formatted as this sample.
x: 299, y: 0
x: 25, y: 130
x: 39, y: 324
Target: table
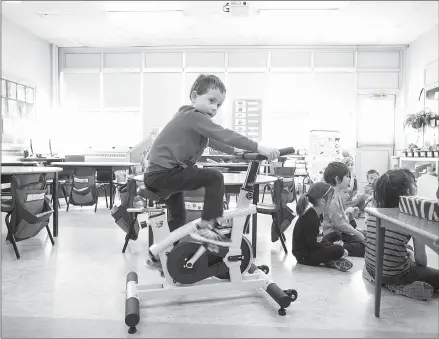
x: 14, y: 170
x: 47, y: 160
x: 233, y: 183
x: 423, y: 231
x: 236, y: 166
x: 101, y: 165
x: 20, y: 163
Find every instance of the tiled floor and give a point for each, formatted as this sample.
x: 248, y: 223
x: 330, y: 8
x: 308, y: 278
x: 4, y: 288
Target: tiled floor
x: 77, y: 289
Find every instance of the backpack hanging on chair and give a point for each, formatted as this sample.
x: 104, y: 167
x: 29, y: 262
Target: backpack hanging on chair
x: 283, y: 193
x: 30, y: 211
x: 125, y: 220
x: 83, y: 190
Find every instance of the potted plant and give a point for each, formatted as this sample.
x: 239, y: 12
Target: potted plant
x: 418, y: 120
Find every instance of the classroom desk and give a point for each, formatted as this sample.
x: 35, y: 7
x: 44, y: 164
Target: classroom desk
x: 14, y: 170
x: 233, y: 183
x: 424, y: 232
x: 20, y: 163
x: 102, y: 166
x: 232, y: 166
x: 47, y: 160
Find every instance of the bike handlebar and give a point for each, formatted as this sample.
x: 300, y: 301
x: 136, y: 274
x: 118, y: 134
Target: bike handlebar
x: 260, y: 157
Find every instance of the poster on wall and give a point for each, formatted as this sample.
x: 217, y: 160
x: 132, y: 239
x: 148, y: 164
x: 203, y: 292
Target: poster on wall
x: 324, y: 147
x: 247, y: 118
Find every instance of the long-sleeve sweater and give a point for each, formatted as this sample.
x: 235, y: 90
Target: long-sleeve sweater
x: 306, y: 232
x: 335, y: 219
x: 183, y: 140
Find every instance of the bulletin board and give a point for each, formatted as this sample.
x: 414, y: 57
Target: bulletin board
x: 324, y: 143
x: 324, y: 147
x: 247, y: 118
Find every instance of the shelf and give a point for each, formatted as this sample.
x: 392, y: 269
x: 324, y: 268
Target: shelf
x: 418, y: 159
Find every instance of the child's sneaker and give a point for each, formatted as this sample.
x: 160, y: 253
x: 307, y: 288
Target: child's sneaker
x: 342, y: 264
x: 208, y: 234
x: 155, y: 264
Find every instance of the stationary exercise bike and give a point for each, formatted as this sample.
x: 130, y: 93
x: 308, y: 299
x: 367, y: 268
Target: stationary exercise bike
x: 188, y: 265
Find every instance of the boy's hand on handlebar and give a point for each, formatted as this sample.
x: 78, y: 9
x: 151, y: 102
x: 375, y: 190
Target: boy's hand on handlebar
x: 270, y: 152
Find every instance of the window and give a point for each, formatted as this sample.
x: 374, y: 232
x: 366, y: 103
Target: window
x: 17, y: 111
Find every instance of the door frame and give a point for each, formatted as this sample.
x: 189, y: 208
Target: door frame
x: 358, y: 144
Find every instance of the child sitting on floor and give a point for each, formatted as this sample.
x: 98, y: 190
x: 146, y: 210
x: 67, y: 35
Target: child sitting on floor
x: 337, y: 175
x: 306, y: 248
x: 352, y: 198
x: 399, y: 268
x: 371, y: 175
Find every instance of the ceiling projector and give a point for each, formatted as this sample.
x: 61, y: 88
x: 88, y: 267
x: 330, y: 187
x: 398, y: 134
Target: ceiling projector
x: 238, y: 8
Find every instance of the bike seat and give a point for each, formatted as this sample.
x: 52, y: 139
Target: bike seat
x: 145, y: 193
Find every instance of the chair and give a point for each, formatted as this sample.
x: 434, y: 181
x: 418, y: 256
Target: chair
x: 283, y: 192
x: 28, y: 211
x: 69, y: 173
x: 64, y: 176
x: 270, y: 170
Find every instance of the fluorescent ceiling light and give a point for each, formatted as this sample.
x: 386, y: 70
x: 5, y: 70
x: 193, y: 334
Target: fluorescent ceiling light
x: 146, y: 17
x: 302, y: 6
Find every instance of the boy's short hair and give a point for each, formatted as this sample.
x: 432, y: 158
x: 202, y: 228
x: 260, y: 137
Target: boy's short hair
x: 372, y: 171
x: 206, y: 82
x: 333, y: 170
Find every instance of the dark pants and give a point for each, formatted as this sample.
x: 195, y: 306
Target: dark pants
x: 353, y: 245
x: 325, y: 254
x: 420, y: 273
x: 416, y: 272
x: 177, y: 180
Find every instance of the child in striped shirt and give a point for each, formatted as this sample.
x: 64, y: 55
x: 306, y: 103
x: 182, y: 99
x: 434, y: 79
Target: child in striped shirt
x: 398, y: 266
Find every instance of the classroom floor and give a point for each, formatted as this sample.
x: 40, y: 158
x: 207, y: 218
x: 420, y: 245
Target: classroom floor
x: 77, y: 289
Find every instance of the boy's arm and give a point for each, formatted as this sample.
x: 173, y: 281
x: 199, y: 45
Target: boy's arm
x: 336, y: 214
x: 221, y: 147
x: 205, y: 126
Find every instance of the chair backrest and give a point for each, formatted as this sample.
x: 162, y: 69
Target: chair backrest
x: 32, y: 208
x: 285, y: 172
x: 74, y: 158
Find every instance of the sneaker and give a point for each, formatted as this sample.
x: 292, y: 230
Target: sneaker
x: 342, y: 264
x: 155, y: 265
x: 222, y: 223
x: 213, y: 238
x: 418, y: 290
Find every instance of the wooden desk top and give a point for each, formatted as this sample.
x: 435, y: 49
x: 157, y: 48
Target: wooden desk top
x: 234, y: 179
x: 406, y: 223
x: 93, y: 164
x: 11, y: 170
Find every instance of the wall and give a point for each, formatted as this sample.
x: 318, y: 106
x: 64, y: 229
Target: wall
x: 416, y: 57
x: 300, y: 88
x: 27, y: 59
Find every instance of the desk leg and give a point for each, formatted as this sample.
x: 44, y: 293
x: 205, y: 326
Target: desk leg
x: 379, y: 254
x: 111, y: 188
x: 255, y: 220
x: 55, y: 205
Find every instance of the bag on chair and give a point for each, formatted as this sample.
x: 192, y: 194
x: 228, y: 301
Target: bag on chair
x: 125, y: 220
x: 83, y: 189
x: 282, y: 194
x: 32, y: 209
